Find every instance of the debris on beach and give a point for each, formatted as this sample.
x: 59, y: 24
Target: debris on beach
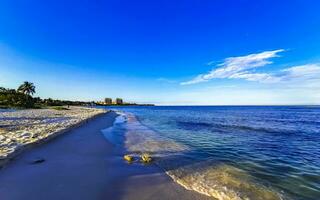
x: 38, y: 161
x: 128, y: 158
x: 146, y: 158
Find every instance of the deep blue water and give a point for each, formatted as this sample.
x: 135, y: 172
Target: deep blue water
x: 278, y: 146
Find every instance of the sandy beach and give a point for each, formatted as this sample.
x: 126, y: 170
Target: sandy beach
x: 82, y: 164
x: 20, y: 129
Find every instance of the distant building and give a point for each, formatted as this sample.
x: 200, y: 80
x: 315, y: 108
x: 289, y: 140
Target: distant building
x: 119, y: 101
x: 108, y: 101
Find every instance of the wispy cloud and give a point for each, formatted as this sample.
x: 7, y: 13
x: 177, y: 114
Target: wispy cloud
x: 305, y: 72
x: 165, y: 80
x: 302, y: 73
x: 242, y: 67
x: 239, y: 67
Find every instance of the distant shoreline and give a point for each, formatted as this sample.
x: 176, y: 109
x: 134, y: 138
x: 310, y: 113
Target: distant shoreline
x: 129, y: 104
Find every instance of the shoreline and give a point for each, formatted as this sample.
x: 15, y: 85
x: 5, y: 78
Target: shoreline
x: 152, y: 170
x: 225, y: 181
x: 5, y: 159
x: 82, y: 164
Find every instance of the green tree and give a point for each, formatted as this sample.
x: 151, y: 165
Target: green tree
x: 12, y: 98
x: 27, y: 88
x: 2, y: 89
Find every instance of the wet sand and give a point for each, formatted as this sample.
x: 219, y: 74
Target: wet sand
x: 82, y: 164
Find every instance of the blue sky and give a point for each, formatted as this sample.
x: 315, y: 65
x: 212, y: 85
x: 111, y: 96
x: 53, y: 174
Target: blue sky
x: 164, y: 52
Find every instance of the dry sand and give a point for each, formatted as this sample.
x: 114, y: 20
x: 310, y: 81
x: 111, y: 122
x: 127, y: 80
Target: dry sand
x: 81, y: 164
x: 21, y: 128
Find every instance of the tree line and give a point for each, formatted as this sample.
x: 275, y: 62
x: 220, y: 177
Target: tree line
x: 22, y: 97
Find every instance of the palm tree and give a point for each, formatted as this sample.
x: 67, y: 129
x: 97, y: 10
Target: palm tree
x: 27, y: 88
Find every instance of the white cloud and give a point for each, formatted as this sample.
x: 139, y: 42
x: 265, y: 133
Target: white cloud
x: 260, y: 77
x: 308, y: 71
x: 239, y: 67
x: 302, y: 74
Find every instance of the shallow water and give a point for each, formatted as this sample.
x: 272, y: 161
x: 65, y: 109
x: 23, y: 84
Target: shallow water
x: 231, y: 152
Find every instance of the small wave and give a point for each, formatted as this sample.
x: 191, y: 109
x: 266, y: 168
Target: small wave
x: 221, y: 181
x: 114, y: 133
x: 193, y: 125
x: 137, y: 138
x: 120, y: 119
x: 225, y: 127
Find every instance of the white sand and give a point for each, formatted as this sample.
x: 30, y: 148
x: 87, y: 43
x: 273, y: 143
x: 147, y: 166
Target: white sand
x: 20, y: 128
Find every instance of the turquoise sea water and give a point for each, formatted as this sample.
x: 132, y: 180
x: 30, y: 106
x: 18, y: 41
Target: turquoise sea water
x: 232, y: 152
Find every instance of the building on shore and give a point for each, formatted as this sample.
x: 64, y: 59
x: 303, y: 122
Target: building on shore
x: 119, y: 101
x: 108, y: 101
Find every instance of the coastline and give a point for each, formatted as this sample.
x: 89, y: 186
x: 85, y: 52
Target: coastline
x: 82, y: 164
x: 209, y: 179
x: 17, y: 149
